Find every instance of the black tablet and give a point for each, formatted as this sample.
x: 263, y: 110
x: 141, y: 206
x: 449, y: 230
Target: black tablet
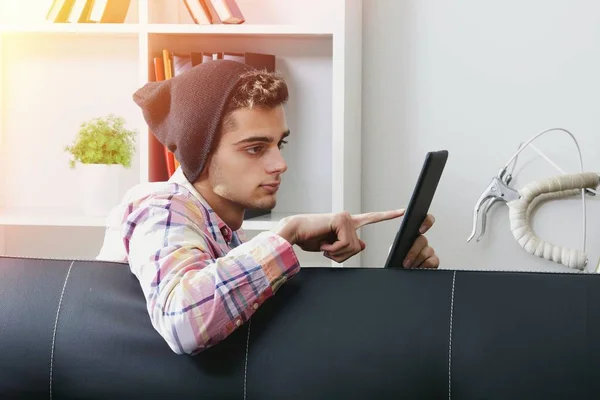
x: 418, y: 207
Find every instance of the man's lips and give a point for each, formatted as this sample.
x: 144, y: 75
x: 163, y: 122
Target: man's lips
x: 272, y: 187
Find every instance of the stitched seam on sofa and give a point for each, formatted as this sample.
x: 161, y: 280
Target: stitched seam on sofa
x: 62, y: 293
x: 246, y: 362
x: 450, y: 338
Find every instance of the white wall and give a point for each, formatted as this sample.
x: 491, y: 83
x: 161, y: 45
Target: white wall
x: 477, y: 78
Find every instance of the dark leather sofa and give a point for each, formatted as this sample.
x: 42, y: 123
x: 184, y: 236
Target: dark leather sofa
x: 75, y: 329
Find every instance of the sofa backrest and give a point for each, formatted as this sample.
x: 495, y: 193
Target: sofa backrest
x: 81, y: 329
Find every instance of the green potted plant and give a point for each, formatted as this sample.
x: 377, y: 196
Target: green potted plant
x: 101, y: 151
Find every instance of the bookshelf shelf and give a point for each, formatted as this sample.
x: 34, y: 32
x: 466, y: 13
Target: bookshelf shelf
x: 243, y: 29
x: 48, y: 28
x: 265, y: 222
x: 37, y: 216
x: 134, y: 29
x: 53, y: 76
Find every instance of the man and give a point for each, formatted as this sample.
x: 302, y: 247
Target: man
x: 225, y: 122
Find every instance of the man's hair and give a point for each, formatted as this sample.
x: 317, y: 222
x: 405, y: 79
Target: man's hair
x: 255, y: 89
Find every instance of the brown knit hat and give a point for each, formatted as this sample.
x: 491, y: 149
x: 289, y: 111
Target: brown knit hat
x: 184, y: 112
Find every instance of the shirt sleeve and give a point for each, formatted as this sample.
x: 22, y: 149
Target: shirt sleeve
x: 194, y: 299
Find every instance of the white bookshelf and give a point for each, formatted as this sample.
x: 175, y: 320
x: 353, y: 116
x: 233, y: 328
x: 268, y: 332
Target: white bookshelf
x: 2, y: 144
x: 137, y: 29
x: 54, y: 76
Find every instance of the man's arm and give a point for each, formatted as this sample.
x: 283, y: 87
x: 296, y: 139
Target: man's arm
x: 195, y: 299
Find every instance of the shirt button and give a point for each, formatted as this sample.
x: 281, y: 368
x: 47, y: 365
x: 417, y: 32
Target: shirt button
x: 255, y: 305
x: 238, y: 322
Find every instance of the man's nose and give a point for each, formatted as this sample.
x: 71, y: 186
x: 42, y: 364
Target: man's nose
x: 276, y: 163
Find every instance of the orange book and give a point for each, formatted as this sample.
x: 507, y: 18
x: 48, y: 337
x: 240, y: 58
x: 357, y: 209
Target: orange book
x: 168, y: 74
x: 159, y: 69
x: 109, y: 11
x: 210, y: 10
x: 80, y: 11
x: 157, y: 168
x: 168, y: 64
x: 198, y: 11
x: 228, y: 11
x: 60, y: 10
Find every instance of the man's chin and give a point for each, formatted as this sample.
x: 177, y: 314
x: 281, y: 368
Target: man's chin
x: 264, y: 204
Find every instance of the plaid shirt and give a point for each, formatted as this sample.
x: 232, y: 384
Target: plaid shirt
x: 201, y: 281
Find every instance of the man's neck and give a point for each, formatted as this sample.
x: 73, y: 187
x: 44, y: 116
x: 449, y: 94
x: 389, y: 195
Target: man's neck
x: 229, y: 212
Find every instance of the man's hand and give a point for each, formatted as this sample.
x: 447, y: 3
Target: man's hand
x: 421, y: 255
x: 333, y: 234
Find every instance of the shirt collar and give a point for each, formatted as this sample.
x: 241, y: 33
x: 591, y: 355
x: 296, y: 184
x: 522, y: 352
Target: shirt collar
x: 179, y: 178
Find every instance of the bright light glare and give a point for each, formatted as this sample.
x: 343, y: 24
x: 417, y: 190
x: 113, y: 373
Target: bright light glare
x: 24, y: 11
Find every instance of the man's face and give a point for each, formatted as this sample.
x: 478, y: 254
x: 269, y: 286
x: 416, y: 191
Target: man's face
x: 246, y: 167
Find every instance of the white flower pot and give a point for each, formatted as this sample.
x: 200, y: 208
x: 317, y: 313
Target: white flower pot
x: 100, y: 187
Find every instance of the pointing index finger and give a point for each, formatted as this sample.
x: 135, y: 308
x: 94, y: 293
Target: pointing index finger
x: 361, y: 220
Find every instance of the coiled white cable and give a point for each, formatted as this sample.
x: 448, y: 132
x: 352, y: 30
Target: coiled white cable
x: 533, y: 194
x: 537, y: 135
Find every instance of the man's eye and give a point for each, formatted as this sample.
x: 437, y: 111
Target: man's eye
x: 281, y: 144
x: 254, y: 150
